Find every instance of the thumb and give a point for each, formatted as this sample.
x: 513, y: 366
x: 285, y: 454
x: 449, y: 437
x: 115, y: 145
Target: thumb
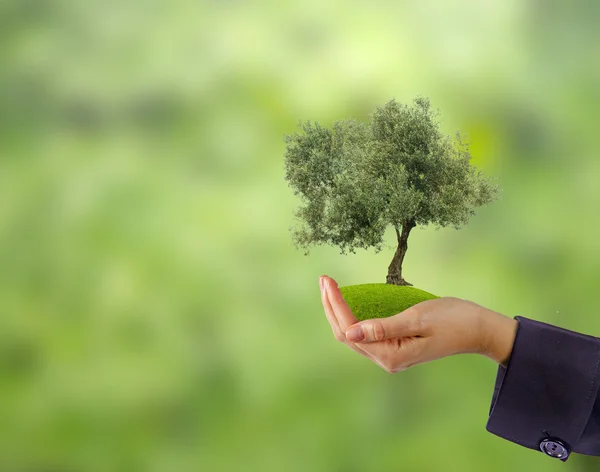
x: 401, y: 325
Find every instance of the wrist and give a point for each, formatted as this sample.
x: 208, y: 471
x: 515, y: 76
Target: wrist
x: 498, y: 336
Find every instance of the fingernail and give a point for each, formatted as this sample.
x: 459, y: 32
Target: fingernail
x: 355, y: 334
x: 321, y: 283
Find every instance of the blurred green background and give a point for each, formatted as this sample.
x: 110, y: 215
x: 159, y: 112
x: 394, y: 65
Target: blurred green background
x: 155, y: 315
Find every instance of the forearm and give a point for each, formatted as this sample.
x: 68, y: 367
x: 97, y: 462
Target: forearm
x: 498, y: 336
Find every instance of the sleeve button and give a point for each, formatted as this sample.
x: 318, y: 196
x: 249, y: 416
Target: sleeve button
x: 554, y: 448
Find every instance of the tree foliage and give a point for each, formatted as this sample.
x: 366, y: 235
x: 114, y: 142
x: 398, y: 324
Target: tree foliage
x: 357, y: 178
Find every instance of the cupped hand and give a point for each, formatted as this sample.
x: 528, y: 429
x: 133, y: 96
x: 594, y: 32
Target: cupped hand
x: 424, y: 332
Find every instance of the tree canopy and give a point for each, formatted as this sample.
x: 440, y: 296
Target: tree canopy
x: 398, y: 169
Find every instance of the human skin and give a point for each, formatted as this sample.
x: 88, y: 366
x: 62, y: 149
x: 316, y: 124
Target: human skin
x: 430, y: 330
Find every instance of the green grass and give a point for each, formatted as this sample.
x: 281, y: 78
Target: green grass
x: 382, y: 300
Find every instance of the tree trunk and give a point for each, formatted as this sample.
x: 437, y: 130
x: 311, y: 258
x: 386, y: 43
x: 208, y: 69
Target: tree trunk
x: 395, y: 268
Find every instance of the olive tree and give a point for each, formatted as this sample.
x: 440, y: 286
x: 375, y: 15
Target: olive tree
x: 399, y: 169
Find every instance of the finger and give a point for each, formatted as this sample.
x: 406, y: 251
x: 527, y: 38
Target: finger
x: 335, y: 326
x: 339, y: 334
x: 404, y: 324
x: 342, y: 311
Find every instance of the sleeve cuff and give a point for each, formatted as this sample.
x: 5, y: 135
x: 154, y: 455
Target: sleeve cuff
x: 547, y: 390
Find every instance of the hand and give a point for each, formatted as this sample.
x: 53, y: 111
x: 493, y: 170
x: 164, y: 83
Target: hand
x: 424, y: 332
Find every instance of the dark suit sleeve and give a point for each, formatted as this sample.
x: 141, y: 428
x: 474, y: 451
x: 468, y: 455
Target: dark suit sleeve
x: 547, y: 396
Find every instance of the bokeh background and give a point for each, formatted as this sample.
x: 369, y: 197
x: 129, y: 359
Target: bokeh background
x: 154, y: 314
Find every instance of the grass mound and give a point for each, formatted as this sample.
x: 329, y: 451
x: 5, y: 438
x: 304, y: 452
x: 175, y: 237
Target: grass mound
x: 382, y: 300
